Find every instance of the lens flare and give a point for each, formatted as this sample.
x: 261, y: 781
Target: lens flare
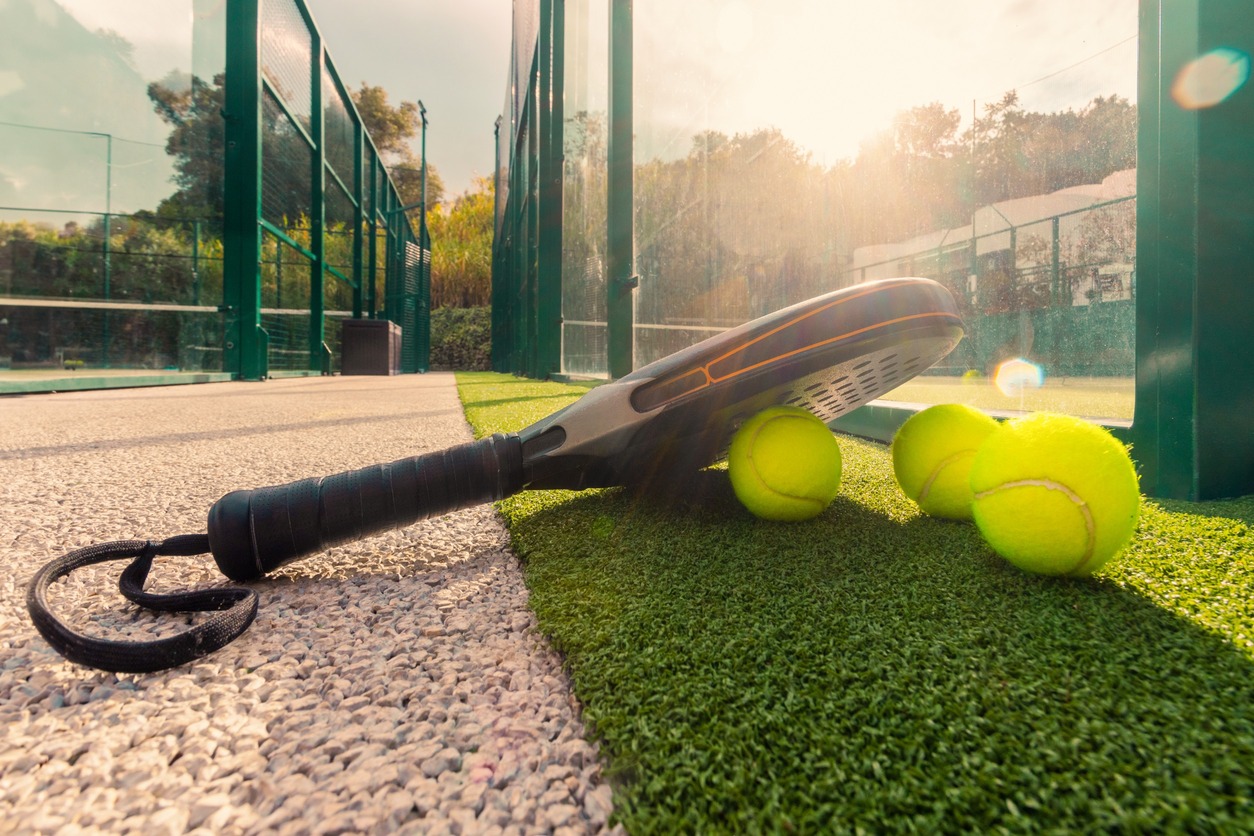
x: 1210, y: 79
x: 1014, y: 376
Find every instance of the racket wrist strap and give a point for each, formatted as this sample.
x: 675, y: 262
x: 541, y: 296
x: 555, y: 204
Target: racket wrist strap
x: 233, y: 608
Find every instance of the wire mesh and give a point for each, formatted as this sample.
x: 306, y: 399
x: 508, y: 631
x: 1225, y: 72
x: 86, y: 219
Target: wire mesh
x: 285, y: 275
x: 367, y: 158
x: 286, y: 160
x: 504, y: 146
x: 340, y: 238
x: 414, y: 325
x: 333, y: 330
x: 526, y: 34
x: 287, y: 56
x: 383, y: 189
x: 287, y: 340
x: 381, y: 265
x: 339, y: 130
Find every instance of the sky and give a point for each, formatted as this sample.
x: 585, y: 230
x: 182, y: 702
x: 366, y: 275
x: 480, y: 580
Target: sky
x: 828, y: 73
x: 451, y: 54
x: 832, y: 73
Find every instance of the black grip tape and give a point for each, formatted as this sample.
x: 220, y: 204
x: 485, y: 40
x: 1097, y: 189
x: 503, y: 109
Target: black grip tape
x: 255, y: 531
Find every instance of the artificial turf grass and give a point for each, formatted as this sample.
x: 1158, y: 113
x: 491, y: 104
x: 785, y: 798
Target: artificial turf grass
x: 878, y: 669
x: 1085, y: 398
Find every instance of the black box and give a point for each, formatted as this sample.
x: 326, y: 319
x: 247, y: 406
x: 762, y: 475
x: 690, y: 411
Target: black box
x: 370, y: 346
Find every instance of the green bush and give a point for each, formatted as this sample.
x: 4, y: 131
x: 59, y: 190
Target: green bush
x: 461, y: 339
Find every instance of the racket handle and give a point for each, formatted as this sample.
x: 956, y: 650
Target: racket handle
x: 255, y: 531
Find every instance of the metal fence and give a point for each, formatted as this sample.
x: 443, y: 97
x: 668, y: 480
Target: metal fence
x: 307, y: 189
x: 728, y: 218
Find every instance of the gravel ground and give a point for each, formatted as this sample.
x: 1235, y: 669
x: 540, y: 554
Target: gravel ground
x: 395, y: 684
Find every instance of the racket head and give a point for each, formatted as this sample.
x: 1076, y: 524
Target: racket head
x: 830, y: 355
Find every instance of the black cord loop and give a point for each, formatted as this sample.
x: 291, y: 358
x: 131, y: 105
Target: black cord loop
x: 236, y: 608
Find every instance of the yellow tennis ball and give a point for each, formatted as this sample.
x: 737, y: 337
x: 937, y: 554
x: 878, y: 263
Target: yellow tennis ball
x: 932, y: 455
x: 1054, y: 494
x: 784, y: 464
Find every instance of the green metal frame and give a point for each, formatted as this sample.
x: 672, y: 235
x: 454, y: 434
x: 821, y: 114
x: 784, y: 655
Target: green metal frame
x: 549, y: 265
x: 243, y: 348
x: 246, y: 342
x: 620, y: 260
x: 1195, y: 224
x: 318, y: 203
x: 527, y: 248
x: 1195, y: 220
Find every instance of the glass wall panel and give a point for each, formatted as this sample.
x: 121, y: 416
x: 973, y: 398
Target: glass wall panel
x: 584, y: 188
x: 783, y: 150
x: 110, y: 185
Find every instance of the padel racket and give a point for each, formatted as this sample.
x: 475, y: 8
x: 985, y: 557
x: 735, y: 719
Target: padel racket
x: 830, y: 355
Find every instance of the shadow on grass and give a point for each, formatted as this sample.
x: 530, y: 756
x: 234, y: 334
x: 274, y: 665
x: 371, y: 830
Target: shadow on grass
x: 495, y: 380
x: 1240, y: 509
x: 876, y: 670
x: 470, y: 403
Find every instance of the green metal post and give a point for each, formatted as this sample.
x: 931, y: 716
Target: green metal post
x: 389, y: 254
x: 373, y: 231
x: 422, y: 111
x: 317, y: 203
x: 620, y: 246
x: 518, y: 285
x: 359, y: 219
x: 393, y: 260
x: 549, y: 301
x: 1195, y: 219
x: 498, y: 306
x: 533, y: 230
x: 424, y: 268
x: 1055, y: 267
x: 243, y: 343
x: 498, y: 248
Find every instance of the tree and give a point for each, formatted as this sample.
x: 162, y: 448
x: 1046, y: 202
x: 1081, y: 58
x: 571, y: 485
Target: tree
x: 461, y: 248
x: 393, y: 129
x: 1001, y: 161
x: 193, y: 109
x: 197, y: 142
x: 926, y: 132
x: 908, y: 178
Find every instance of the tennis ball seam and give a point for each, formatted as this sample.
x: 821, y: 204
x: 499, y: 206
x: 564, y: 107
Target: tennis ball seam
x: 1090, y: 527
x: 936, y: 472
x: 757, y: 476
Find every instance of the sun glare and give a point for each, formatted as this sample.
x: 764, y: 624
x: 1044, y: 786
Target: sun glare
x: 1211, y: 79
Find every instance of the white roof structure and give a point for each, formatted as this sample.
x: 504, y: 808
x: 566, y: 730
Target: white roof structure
x: 1027, y: 215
